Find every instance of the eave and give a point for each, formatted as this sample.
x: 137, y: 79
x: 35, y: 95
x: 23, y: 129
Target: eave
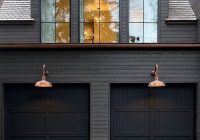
x: 98, y: 46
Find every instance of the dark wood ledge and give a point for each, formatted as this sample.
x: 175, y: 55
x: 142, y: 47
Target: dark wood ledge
x: 98, y: 46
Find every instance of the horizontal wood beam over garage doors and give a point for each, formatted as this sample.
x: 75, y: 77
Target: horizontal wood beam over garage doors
x: 99, y: 46
x: 142, y: 113
x: 57, y: 113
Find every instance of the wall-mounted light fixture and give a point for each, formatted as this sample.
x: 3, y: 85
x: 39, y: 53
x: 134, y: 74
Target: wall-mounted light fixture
x: 156, y: 82
x: 43, y: 83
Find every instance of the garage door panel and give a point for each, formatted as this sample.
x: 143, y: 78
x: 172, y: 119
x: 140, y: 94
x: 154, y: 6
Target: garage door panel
x: 124, y: 97
x: 173, y: 122
x: 67, y: 122
x: 139, y: 112
x: 173, y: 98
x: 31, y: 99
x: 23, y: 122
x: 131, y: 122
x: 67, y: 138
x: 60, y: 112
x: 68, y: 99
x: 173, y: 138
x: 27, y: 138
x: 132, y: 138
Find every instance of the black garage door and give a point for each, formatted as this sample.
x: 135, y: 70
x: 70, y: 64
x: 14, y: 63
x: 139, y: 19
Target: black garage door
x: 142, y: 113
x: 58, y: 113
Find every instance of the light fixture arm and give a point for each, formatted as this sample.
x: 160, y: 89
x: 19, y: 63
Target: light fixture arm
x: 155, y: 72
x: 44, y: 72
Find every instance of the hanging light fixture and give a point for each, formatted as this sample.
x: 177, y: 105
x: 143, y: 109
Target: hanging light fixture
x: 156, y: 82
x: 43, y: 83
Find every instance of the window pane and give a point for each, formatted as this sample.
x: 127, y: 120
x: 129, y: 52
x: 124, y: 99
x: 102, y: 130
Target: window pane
x: 81, y: 32
x: 135, y: 32
x: 109, y: 32
x: 136, y: 11
x: 96, y: 32
x: 48, y: 33
x: 91, y: 32
x: 150, y: 32
x: 109, y: 10
x: 91, y: 10
x: 150, y: 10
x: 62, y: 33
x: 47, y: 10
x: 62, y: 10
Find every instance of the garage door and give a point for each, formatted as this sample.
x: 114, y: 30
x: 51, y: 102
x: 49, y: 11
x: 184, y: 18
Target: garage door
x: 59, y: 113
x: 142, y: 113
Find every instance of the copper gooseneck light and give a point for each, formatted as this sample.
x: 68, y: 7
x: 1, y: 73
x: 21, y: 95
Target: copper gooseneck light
x: 43, y: 83
x: 156, y: 82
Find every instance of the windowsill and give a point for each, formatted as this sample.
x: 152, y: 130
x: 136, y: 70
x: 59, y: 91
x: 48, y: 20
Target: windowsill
x: 17, y: 21
x: 180, y: 21
x: 35, y: 46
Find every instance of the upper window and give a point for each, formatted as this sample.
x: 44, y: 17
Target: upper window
x: 55, y: 18
x: 99, y: 21
x: 143, y: 21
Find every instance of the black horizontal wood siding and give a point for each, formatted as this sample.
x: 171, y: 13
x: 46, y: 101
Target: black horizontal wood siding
x: 166, y: 33
x: 99, y: 68
x: 175, y: 33
x: 23, y: 33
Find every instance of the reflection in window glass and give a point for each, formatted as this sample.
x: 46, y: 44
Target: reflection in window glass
x: 47, y: 10
x: 99, y: 21
x: 109, y: 10
x: 109, y: 32
x: 48, y: 32
x: 136, y: 11
x: 136, y: 32
x: 150, y: 10
x: 62, y: 33
x: 150, y: 32
x: 62, y: 10
x: 143, y: 21
x: 55, y: 18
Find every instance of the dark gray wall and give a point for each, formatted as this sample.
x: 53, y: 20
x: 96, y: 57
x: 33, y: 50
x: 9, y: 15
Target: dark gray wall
x: 99, y: 68
x: 23, y: 33
x: 196, y: 7
x: 31, y: 33
x: 175, y: 33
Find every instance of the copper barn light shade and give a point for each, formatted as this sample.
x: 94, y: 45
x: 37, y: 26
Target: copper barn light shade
x: 156, y: 82
x: 43, y: 83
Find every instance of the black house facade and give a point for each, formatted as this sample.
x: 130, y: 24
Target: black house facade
x: 99, y: 55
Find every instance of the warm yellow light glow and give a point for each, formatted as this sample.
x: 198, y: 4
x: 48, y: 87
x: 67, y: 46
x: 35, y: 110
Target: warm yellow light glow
x: 156, y: 83
x: 43, y: 83
x: 98, y: 18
